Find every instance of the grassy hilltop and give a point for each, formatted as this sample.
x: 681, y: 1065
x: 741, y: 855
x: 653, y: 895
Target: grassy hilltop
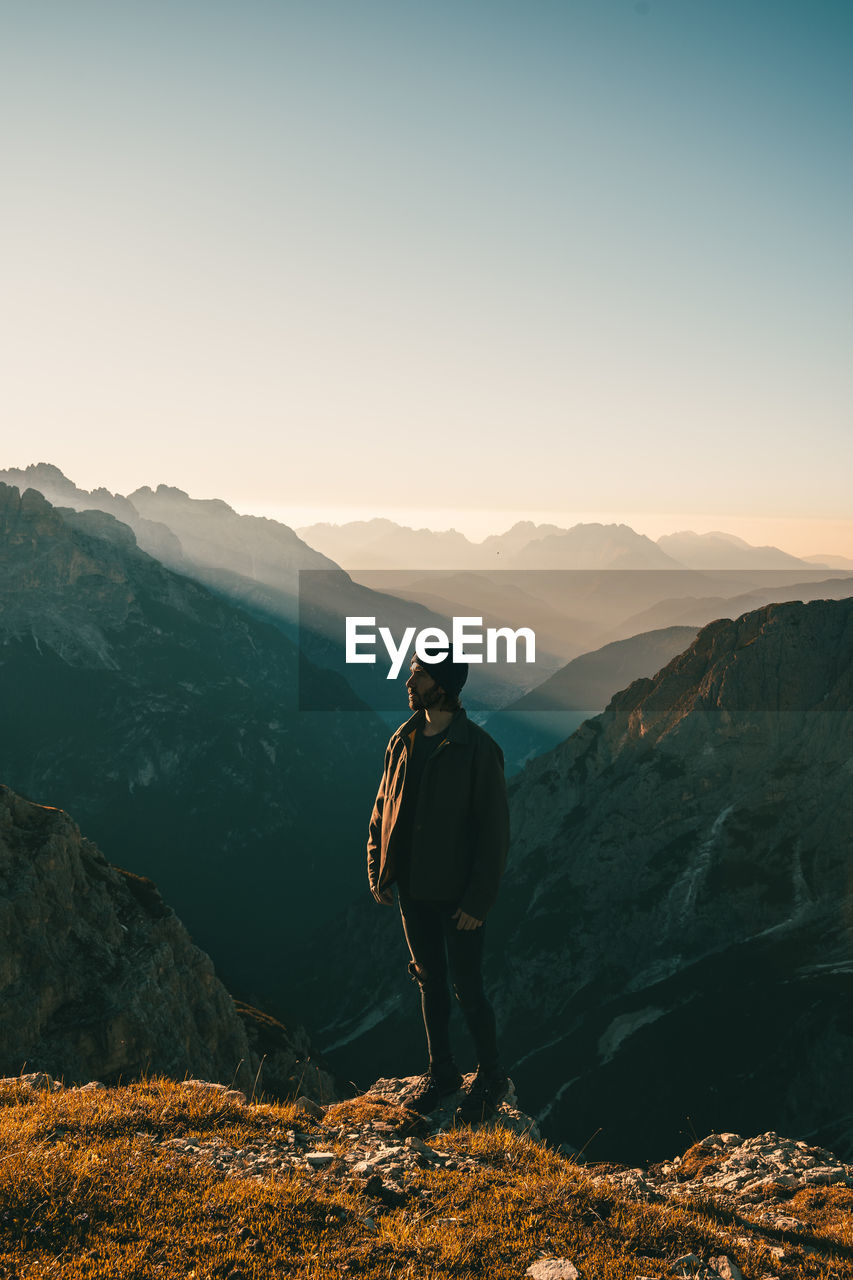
x: 166, y: 1179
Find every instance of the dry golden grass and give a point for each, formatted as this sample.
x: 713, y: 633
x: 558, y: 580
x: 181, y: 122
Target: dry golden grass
x: 85, y: 1194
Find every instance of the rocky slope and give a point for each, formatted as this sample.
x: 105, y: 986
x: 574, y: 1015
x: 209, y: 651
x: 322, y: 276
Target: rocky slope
x: 673, y: 944
x: 167, y: 720
x: 582, y: 688
x: 100, y: 979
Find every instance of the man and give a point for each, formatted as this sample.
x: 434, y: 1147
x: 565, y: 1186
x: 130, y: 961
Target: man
x: 440, y: 831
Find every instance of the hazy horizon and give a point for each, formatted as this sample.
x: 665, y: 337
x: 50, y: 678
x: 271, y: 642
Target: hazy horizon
x: 797, y: 537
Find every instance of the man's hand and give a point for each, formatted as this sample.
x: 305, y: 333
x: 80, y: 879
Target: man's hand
x: 465, y: 921
x: 386, y: 896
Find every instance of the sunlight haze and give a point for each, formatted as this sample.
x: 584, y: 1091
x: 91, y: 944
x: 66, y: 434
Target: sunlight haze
x: 496, y: 260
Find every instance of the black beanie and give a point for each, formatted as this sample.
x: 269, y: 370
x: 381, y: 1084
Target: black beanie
x: 449, y: 675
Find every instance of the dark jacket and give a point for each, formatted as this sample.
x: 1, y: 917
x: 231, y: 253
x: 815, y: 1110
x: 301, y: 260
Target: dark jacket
x: 461, y: 823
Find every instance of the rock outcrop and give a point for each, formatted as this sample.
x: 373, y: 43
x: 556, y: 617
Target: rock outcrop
x: 99, y: 978
x: 398, y: 1091
x: 151, y: 536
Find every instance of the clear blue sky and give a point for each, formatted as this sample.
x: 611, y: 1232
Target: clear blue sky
x: 530, y: 255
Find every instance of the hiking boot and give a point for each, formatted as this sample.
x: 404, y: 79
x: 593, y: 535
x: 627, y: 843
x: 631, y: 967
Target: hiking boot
x: 482, y: 1098
x: 431, y: 1088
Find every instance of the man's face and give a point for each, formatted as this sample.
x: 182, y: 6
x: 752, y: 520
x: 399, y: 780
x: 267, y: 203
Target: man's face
x: 423, y: 692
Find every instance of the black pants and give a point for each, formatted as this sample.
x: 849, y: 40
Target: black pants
x: 434, y: 943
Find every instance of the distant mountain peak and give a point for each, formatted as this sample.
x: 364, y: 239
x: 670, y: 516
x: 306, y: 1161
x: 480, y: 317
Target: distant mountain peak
x: 721, y: 550
x: 38, y: 473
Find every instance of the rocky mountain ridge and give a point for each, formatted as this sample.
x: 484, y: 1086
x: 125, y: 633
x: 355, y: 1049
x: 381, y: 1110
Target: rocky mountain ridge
x: 167, y: 720
x: 183, y: 532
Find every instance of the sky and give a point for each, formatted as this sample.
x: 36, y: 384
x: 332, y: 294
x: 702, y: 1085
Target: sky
x: 471, y: 260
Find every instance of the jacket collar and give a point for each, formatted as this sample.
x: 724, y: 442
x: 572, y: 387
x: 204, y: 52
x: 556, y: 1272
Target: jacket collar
x: 456, y: 731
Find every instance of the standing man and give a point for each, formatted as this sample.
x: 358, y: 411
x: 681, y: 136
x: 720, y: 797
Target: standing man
x: 440, y: 831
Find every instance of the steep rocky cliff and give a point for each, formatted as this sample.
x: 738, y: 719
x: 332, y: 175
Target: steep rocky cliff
x: 684, y: 867
x: 99, y: 978
x: 673, y: 943
x: 167, y: 720
x: 582, y: 688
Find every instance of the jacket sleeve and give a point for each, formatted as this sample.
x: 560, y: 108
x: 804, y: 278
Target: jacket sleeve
x: 374, y: 835
x: 490, y: 813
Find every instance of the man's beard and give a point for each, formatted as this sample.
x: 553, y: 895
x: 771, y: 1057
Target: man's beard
x: 428, y: 701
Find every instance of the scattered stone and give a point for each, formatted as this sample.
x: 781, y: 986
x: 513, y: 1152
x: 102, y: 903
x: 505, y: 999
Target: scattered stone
x: 415, y: 1144
x: 319, y: 1159
x: 689, y: 1265
x: 553, y: 1269
x: 387, y: 1153
x: 35, y: 1080
x: 725, y: 1268
x: 783, y: 1223
x: 309, y: 1107
x: 631, y: 1183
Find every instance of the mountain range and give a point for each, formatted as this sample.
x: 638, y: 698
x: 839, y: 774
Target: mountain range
x: 579, y: 588
x: 167, y: 720
x: 382, y: 544
x: 263, y: 567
